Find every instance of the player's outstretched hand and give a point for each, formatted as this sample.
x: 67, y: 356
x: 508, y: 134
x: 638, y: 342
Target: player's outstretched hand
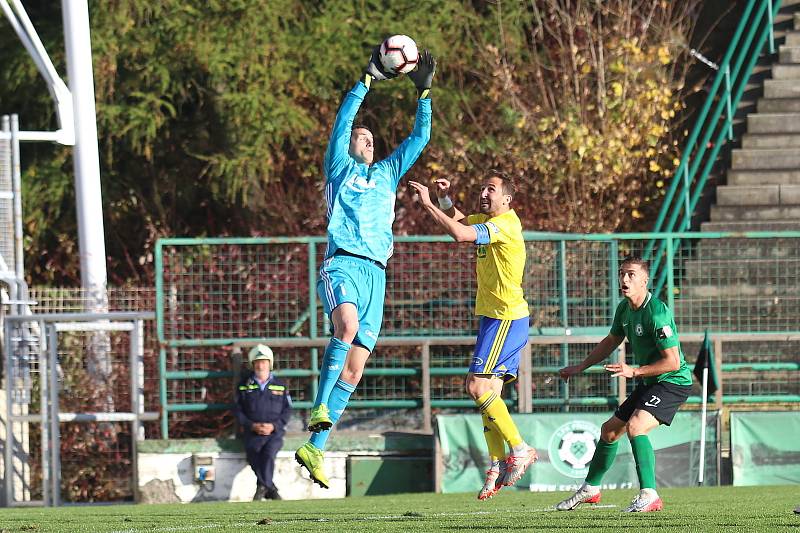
x: 442, y: 187
x: 423, y: 194
x: 569, y: 371
x: 375, y: 67
x: 619, y: 369
x: 422, y: 76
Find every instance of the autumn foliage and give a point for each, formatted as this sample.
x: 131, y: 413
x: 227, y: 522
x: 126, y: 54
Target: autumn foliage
x: 213, y: 116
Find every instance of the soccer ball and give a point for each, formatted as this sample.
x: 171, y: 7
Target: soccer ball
x: 399, y: 54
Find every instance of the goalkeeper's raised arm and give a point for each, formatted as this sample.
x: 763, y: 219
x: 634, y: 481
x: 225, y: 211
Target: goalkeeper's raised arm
x: 404, y: 156
x: 343, y: 149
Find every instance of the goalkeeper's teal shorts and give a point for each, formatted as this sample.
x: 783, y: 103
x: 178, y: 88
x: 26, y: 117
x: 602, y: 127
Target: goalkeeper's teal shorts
x: 345, y: 278
x: 498, y: 347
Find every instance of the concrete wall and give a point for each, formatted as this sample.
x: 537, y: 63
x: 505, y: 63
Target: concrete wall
x: 166, y: 473
x: 168, y: 477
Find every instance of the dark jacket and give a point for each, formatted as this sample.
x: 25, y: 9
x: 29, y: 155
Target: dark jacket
x: 272, y: 405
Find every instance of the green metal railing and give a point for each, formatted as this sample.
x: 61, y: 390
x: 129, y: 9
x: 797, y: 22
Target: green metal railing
x: 214, y: 294
x: 709, y: 134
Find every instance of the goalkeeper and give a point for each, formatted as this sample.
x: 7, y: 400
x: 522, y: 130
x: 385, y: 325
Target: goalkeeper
x: 360, y: 198
x: 664, y: 384
x: 503, y: 312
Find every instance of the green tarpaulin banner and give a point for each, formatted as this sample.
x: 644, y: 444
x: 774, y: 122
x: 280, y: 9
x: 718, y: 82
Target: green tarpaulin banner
x: 765, y: 448
x: 566, y: 442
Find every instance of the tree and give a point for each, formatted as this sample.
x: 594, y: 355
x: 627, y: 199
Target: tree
x: 213, y: 116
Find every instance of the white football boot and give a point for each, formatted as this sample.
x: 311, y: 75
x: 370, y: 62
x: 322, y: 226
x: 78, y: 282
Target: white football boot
x: 645, y: 502
x: 584, y: 494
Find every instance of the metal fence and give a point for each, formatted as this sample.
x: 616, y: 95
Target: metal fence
x: 214, y: 296
x: 57, y: 391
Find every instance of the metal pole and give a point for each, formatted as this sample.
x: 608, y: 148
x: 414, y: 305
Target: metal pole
x: 86, y: 159
x: 613, y: 294
x: 137, y: 397
x: 703, y: 425
x: 8, y: 475
x: 771, y: 28
x: 729, y: 116
x: 718, y: 374
x: 670, y: 264
x: 686, y: 195
x: 427, y: 417
x: 13, y: 289
x: 718, y: 447
x: 526, y: 380
x: 312, y: 315
x: 43, y: 416
x: 22, y: 26
x: 55, y: 430
x: 162, y: 391
x: 564, y: 315
x: 312, y: 293
x: 16, y: 184
x: 137, y: 376
x: 622, y: 392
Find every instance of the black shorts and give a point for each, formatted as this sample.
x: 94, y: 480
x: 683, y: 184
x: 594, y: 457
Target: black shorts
x: 662, y: 400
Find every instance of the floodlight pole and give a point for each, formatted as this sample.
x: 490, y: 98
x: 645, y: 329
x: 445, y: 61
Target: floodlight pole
x: 88, y: 196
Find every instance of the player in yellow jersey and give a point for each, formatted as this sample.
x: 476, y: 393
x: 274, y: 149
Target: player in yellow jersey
x: 504, y: 318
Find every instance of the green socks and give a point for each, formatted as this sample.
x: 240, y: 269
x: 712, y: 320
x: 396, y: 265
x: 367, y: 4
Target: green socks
x: 645, y: 459
x: 603, y: 458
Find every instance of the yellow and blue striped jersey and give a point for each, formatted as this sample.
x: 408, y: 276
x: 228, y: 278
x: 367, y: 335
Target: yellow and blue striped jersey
x: 500, y: 265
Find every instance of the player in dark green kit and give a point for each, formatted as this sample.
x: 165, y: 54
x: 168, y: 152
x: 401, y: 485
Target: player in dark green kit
x: 664, y: 383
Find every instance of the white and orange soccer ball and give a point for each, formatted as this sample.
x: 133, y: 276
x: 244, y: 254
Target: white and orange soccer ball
x: 399, y: 54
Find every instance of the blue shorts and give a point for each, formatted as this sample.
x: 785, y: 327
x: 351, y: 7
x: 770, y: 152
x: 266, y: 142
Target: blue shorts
x: 347, y: 279
x: 498, y: 347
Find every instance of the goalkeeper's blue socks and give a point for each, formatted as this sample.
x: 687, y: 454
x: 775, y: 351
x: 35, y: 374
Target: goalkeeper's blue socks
x: 339, y: 397
x: 332, y: 364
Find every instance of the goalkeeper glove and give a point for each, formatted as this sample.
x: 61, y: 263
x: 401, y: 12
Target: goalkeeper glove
x: 375, y: 69
x: 422, y: 76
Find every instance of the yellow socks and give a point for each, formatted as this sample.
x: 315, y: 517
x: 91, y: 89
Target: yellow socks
x: 494, y: 440
x: 495, y: 410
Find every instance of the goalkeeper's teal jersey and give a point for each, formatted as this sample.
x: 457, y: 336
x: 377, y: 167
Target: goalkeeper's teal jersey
x: 360, y: 197
x: 650, y: 329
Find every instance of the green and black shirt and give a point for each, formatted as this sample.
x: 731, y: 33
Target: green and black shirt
x: 649, y: 329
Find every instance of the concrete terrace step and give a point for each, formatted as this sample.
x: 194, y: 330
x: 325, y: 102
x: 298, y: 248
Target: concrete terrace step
x: 739, y: 249
x: 781, y: 89
x: 738, y: 290
x: 720, y: 213
x: 764, y: 177
x: 779, y: 106
x: 743, y: 306
x: 792, y: 38
x: 738, y: 270
x: 751, y: 225
x: 755, y: 141
x: 786, y: 72
x: 751, y: 195
x: 789, y: 55
x: 765, y: 313
x: 766, y: 159
x: 774, y: 123
x: 762, y: 351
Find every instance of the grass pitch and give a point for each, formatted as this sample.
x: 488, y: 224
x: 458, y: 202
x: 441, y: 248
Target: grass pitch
x: 693, y: 509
